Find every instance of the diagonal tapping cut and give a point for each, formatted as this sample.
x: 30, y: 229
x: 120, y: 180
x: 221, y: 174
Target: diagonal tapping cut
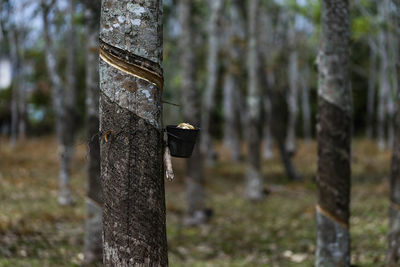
x: 134, y: 65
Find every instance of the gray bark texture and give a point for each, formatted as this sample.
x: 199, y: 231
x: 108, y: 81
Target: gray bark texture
x: 195, y: 212
x: 57, y: 90
x: 69, y: 106
x: 208, y: 104
x: 254, y: 190
x: 393, y: 257
x: 93, y: 245
x: 231, y: 86
x: 334, y: 137
x: 305, y: 105
x: 371, y: 89
x: 384, y: 80
x: 292, y: 96
x: 131, y: 147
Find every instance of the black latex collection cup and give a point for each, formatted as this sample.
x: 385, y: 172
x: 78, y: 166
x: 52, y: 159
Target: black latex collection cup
x: 181, y: 141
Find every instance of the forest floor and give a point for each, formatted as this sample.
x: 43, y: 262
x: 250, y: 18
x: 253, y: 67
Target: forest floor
x: 278, y: 231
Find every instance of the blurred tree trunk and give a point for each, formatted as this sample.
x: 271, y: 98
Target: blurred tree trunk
x: 65, y: 197
x: 384, y: 80
x: 371, y: 88
x: 195, y: 212
x: 254, y: 190
x: 68, y: 135
x: 305, y: 104
x: 334, y: 137
x: 93, y: 248
x: 267, y: 147
x: 231, y: 87
x: 292, y: 96
x: 16, y: 82
x: 131, y: 147
x: 206, y: 144
x: 393, y: 257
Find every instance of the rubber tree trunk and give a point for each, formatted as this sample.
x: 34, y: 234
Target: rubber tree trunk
x: 384, y: 81
x: 292, y: 96
x: 93, y: 246
x: 231, y: 86
x: 393, y: 256
x: 131, y: 147
x: 57, y: 90
x: 305, y: 105
x: 371, y: 89
x: 16, y: 83
x: 334, y: 137
x: 212, y: 78
x: 195, y: 212
x: 69, y: 98
x: 253, y: 163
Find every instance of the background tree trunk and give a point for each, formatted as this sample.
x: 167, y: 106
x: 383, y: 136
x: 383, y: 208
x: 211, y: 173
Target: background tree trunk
x: 334, y: 137
x: 254, y: 189
x: 384, y: 81
x: 56, y: 85
x: 69, y: 98
x: 305, y: 104
x: 93, y: 247
x: 371, y: 89
x: 134, y: 227
x: 393, y: 257
x: 292, y: 96
x: 212, y: 79
x: 195, y: 212
x: 231, y: 87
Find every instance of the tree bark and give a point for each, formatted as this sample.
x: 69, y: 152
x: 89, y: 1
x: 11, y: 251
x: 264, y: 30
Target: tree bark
x: 384, y: 81
x: 93, y: 247
x: 253, y: 163
x: 305, y: 105
x: 69, y: 122
x: 371, y: 89
x: 393, y: 257
x: 334, y: 137
x: 231, y: 87
x: 292, y: 96
x: 16, y: 83
x: 212, y: 78
x: 65, y: 196
x: 131, y: 147
x: 195, y: 212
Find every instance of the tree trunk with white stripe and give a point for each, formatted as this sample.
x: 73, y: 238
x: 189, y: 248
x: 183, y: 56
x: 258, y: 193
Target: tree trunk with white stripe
x: 334, y: 137
x: 131, y: 147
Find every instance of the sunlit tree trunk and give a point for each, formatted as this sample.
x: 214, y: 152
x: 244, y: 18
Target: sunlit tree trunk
x: 131, y: 146
x: 212, y: 79
x: 253, y: 163
x: 231, y: 86
x: 195, y: 212
x: 334, y: 137
x: 57, y: 90
x: 394, y: 210
x: 93, y: 247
